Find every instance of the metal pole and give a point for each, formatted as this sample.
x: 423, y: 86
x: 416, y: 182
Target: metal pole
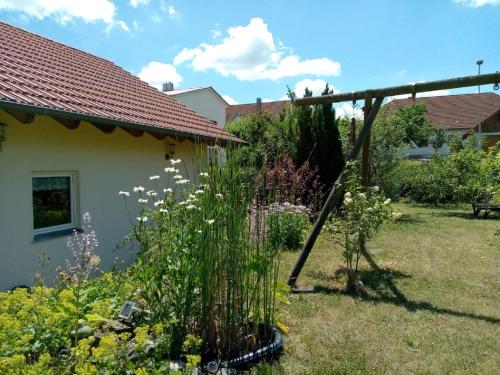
x: 334, y: 196
x: 479, y: 63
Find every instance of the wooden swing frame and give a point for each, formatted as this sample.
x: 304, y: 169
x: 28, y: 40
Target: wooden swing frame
x: 373, y: 101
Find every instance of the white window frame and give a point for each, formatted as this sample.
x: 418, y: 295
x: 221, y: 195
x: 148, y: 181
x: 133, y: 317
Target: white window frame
x: 56, y: 228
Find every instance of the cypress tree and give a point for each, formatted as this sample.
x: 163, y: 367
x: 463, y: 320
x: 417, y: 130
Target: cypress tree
x: 319, y: 140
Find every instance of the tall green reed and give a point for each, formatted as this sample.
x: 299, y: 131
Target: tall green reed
x: 204, y: 265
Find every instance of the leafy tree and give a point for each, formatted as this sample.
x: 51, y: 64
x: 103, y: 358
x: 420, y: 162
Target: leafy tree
x: 439, y: 139
x: 268, y: 138
x: 413, y: 121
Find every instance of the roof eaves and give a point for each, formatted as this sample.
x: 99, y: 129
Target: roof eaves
x: 109, y: 121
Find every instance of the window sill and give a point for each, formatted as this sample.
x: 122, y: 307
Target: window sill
x: 54, y: 234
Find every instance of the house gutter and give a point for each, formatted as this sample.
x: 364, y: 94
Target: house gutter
x: 108, y: 121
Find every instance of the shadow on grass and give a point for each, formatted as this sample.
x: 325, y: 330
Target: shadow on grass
x: 381, y: 282
x: 467, y: 215
x: 410, y: 219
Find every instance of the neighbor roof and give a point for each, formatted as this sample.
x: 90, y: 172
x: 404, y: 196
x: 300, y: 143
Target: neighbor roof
x: 241, y: 110
x: 38, y: 73
x: 455, y: 111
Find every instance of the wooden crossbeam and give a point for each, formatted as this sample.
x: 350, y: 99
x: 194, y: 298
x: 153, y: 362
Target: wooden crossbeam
x: 334, y: 197
x: 452, y: 83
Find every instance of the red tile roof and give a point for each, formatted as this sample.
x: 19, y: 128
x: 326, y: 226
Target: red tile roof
x: 455, y: 111
x: 241, y: 110
x: 36, y: 72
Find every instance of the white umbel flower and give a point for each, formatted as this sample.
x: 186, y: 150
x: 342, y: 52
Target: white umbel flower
x: 138, y: 189
x: 175, y: 161
x: 124, y: 193
x: 154, y: 177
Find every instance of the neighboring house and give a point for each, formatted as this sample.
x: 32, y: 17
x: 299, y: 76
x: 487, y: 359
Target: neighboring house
x: 203, y: 100
x: 75, y: 129
x: 236, y: 111
x: 458, y: 115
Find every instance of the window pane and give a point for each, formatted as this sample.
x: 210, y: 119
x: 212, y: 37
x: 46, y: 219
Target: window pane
x: 51, y: 201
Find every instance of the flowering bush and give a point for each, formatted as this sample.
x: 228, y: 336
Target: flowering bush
x: 286, y: 224
x: 363, y: 212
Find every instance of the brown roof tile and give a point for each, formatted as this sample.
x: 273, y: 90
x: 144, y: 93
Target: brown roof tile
x: 38, y: 72
x: 455, y: 111
x: 241, y: 110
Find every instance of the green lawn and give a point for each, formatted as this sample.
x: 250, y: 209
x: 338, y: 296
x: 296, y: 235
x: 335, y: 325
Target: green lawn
x: 432, y: 304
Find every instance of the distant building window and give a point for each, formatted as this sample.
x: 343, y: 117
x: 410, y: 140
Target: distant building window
x: 216, y: 154
x: 53, y: 202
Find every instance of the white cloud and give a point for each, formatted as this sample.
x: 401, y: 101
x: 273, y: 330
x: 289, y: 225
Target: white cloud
x: 156, y: 73
x: 137, y: 25
x: 346, y: 110
x: 136, y: 3
x: 216, y: 33
x: 62, y: 10
x: 155, y: 18
x: 172, y: 12
x: 477, y: 3
x: 250, y: 52
x: 229, y: 100
x: 123, y: 25
x: 317, y: 86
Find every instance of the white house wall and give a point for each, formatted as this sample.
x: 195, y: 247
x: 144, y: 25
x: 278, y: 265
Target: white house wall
x: 426, y: 152
x: 104, y: 164
x: 205, y: 103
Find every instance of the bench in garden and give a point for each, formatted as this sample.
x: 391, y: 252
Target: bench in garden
x: 486, y: 207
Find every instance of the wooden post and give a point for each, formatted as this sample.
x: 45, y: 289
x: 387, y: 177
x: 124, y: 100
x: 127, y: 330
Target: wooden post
x: 333, y: 198
x: 365, y: 158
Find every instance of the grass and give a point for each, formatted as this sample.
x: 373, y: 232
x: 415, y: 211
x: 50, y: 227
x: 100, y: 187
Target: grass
x: 431, y: 305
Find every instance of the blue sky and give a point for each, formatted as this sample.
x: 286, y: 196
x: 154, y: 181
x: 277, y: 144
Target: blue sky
x: 249, y: 49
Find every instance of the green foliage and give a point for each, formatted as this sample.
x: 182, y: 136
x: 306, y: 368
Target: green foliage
x: 286, y: 225
x: 465, y: 175
x: 318, y: 139
x: 413, y: 123
x: 268, y: 138
x: 392, y: 133
x: 439, y: 138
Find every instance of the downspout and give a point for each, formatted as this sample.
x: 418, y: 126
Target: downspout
x: 2, y: 134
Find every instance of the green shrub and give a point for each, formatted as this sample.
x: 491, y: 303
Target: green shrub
x: 286, y: 224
